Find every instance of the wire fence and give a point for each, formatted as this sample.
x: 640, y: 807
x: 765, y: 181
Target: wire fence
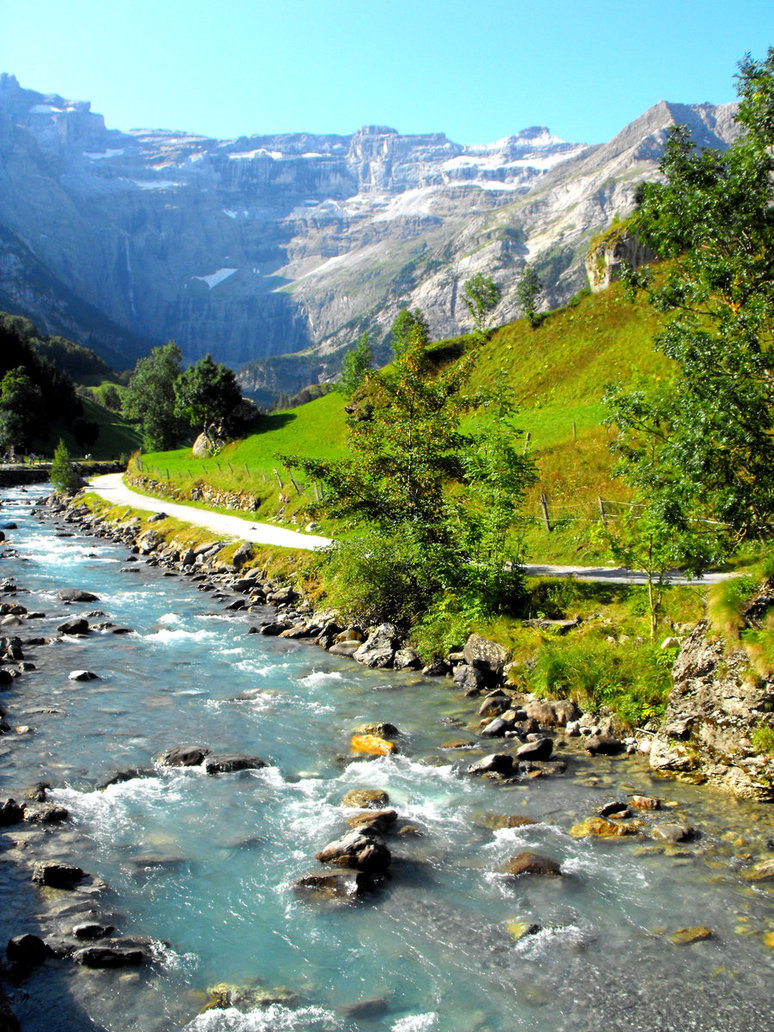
x: 548, y: 514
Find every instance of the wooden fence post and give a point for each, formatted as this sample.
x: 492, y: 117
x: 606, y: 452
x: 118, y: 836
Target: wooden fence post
x: 292, y: 481
x: 602, y: 512
x: 526, y: 442
x: 279, y: 479
x: 574, y: 431
x: 544, y: 507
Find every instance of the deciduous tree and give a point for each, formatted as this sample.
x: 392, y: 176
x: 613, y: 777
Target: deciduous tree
x: 150, y: 397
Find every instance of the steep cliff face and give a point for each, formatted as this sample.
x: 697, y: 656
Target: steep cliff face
x: 610, y: 252
x: 714, y: 708
x: 264, y: 245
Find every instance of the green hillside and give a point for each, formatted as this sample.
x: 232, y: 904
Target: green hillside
x: 558, y: 371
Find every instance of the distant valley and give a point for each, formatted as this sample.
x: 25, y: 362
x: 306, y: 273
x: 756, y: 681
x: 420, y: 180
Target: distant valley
x: 274, y: 252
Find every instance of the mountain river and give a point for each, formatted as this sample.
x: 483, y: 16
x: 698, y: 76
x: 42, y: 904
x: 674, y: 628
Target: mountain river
x: 205, y: 865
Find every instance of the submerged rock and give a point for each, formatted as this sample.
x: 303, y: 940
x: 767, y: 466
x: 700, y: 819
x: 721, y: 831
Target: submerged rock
x: 602, y: 828
x: 685, y: 936
x: 336, y: 885
x: 532, y: 864
x: 366, y: 798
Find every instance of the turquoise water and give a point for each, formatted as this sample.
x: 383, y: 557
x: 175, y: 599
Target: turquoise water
x: 206, y: 864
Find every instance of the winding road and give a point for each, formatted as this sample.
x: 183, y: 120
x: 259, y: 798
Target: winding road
x: 112, y: 488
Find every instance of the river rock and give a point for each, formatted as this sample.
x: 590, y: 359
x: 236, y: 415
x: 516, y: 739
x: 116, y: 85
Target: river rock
x: 540, y: 749
x: 531, y: 863
x: 27, y: 950
x: 378, y: 650
x: 602, y: 828
x: 10, y: 813
x: 617, y: 808
x: 366, y: 798
x: 242, y: 555
x: 345, y: 648
x: 642, y: 802
x: 92, y: 930
x: 56, y: 874
x: 183, y: 756
x: 494, y: 704
x: 45, y: 813
x: 246, y: 998
x: 108, y: 957
x: 336, y: 885
x: 497, y: 821
x: 75, y: 595
x: 358, y: 850
x: 78, y: 626
x: 485, y: 655
x: 497, y: 763
x: 120, y: 776
x: 274, y: 629
x: 496, y: 728
x: 378, y: 822
x: 228, y: 763
x: 602, y: 745
x: 83, y: 675
x: 686, y: 936
x: 673, y: 833
x: 406, y: 659
x: 469, y: 680
x: 761, y: 872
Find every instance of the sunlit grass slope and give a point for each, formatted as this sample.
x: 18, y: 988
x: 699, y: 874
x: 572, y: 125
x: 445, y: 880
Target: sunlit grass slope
x: 558, y: 372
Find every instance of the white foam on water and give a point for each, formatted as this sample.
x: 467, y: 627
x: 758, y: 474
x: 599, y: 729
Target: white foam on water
x: 170, y: 619
x: 416, y: 1023
x: 173, y: 635
x: 547, y: 940
x: 320, y: 679
x: 116, y: 806
x: 275, y: 1018
x: 169, y: 960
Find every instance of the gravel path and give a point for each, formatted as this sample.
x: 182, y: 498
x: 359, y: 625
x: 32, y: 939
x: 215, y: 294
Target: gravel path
x: 112, y: 488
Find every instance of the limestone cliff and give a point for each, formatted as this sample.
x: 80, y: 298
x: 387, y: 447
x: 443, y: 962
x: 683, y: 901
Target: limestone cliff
x: 610, y: 251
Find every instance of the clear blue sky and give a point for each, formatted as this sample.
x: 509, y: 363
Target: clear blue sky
x: 474, y: 69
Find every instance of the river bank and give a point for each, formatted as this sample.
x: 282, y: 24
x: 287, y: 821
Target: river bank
x: 452, y: 857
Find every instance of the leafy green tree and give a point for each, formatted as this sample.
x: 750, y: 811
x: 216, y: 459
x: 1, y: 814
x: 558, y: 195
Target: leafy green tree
x: 358, y: 362
x: 150, y: 397
x: 21, y: 410
x: 409, y: 325
x: 418, y: 492
x: 63, y: 476
x: 206, y: 394
x: 496, y: 476
x: 712, y: 216
x: 528, y: 292
x: 481, y: 295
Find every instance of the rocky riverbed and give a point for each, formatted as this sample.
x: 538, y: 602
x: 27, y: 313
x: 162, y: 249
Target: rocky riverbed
x: 232, y: 818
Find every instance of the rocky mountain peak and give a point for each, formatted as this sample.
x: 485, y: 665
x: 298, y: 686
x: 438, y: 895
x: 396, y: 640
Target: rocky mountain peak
x: 268, y: 244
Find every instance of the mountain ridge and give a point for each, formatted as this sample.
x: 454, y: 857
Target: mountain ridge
x: 268, y: 245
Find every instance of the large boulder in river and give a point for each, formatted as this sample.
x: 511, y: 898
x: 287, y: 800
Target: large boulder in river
x: 57, y: 874
x: 76, y: 595
x: 485, y: 655
x: 378, y: 650
x: 362, y: 850
x: 229, y: 763
x: 183, y: 756
x: 77, y: 626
